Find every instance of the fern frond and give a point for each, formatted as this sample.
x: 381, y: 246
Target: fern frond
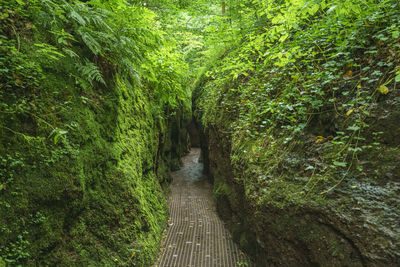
x: 47, y: 17
x: 98, y: 19
x: 70, y: 53
x: 131, y: 47
x: 74, y: 14
x: 90, y: 72
x: 129, y: 71
x: 106, y: 41
x: 89, y: 41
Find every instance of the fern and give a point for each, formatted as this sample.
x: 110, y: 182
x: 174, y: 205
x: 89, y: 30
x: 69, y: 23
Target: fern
x: 89, y: 41
x: 70, y: 53
x: 87, y: 16
x: 131, y: 48
x: 76, y: 17
x: 106, y: 41
x: 120, y: 33
x: 129, y: 71
x: 98, y: 19
x: 90, y: 72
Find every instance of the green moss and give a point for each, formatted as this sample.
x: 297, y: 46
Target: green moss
x: 94, y: 197
x: 220, y: 188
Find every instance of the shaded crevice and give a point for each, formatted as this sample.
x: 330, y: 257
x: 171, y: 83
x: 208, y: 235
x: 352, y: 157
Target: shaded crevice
x: 349, y: 240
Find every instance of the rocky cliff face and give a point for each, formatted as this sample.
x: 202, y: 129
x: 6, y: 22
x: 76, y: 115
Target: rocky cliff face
x: 357, y: 224
x: 94, y: 195
x: 302, y: 136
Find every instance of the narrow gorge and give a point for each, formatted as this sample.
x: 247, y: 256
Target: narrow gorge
x: 208, y: 133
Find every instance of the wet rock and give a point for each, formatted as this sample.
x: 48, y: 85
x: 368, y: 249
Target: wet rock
x: 356, y: 225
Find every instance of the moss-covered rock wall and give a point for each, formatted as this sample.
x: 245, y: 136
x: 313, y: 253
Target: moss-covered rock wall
x: 280, y: 223
x: 301, y: 134
x: 95, y: 196
x: 85, y: 149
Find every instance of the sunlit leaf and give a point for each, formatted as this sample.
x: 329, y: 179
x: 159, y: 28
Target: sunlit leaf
x: 383, y: 89
x: 397, y: 78
x: 349, y: 112
x: 340, y: 164
x: 353, y: 128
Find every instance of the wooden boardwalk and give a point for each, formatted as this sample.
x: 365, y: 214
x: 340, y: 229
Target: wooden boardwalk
x: 196, y: 236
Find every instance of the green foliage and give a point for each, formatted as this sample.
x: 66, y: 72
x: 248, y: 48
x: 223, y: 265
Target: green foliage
x: 112, y: 37
x: 306, y: 74
x: 88, y: 93
x: 91, y: 72
x: 16, y: 251
x: 304, y: 100
x: 89, y: 89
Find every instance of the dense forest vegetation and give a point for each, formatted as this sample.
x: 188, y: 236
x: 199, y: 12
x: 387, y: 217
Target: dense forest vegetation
x: 297, y: 103
x: 91, y: 96
x: 301, y: 112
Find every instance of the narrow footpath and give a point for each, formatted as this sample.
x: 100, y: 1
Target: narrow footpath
x: 196, y: 236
